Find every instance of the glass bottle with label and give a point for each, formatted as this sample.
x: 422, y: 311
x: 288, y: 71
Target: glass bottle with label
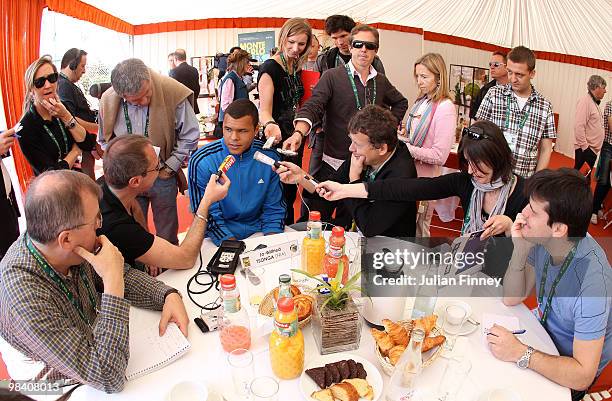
x: 284, y: 288
x: 336, y: 255
x: 427, y: 294
x: 286, y: 342
x: 403, y: 381
x: 234, y: 322
x: 313, y: 246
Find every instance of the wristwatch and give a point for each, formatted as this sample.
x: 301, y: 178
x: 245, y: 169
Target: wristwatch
x: 299, y: 132
x: 523, y: 362
x: 72, y: 123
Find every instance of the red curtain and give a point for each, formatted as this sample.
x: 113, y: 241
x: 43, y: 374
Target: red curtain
x: 18, y: 49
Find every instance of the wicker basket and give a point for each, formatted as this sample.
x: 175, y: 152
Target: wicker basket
x: 266, y: 308
x: 428, y: 357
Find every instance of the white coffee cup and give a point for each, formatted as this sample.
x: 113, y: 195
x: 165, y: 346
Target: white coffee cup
x: 503, y: 394
x: 188, y: 391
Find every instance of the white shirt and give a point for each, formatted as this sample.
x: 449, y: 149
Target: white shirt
x: 372, y: 74
x: 522, y: 101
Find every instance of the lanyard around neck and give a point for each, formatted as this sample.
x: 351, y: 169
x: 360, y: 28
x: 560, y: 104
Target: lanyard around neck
x: 553, y: 288
x: 523, y: 118
x: 294, y: 82
x: 352, y: 80
x: 64, y: 135
x: 128, y: 122
x: 60, y: 283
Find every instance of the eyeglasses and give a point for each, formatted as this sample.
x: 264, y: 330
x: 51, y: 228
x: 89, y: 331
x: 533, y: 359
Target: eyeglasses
x: 159, y: 166
x: 358, y: 44
x: 97, y: 222
x: 40, y: 82
x: 495, y: 64
x: 476, y: 133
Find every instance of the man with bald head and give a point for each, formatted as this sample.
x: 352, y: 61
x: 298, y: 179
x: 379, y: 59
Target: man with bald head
x: 65, y: 293
x: 187, y: 75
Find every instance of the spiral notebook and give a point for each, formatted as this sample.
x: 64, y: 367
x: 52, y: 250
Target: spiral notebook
x: 148, y: 351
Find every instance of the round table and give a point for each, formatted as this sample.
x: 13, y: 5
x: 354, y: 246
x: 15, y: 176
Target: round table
x: 206, y: 361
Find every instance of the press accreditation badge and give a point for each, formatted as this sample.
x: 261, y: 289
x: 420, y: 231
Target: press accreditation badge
x: 512, y: 138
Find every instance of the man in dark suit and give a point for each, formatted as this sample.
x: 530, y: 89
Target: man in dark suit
x: 187, y: 75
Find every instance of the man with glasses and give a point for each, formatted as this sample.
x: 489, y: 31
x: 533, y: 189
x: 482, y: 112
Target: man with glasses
x: 142, y: 102
x: 340, y: 93
x: 65, y: 294
x: 523, y: 114
x: 131, y: 166
x: 499, y: 76
x: 72, y: 69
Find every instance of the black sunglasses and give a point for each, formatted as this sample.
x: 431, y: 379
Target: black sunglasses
x: 358, y: 44
x: 476, y: 133
x: 40, y: 82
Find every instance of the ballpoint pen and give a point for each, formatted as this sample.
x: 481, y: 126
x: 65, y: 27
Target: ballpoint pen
x: 513, y: 332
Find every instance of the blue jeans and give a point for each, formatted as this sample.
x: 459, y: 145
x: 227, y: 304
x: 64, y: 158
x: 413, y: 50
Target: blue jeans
x: 603, y: 176
x: 162, y: 197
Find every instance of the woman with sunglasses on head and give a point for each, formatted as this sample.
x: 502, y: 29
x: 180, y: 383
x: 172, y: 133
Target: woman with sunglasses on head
x: 490, y: 194
x: 51, y: 138
x: 280, y: 90
x: 430, y: 127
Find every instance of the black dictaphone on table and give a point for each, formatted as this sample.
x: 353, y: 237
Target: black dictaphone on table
x: 225, y: 260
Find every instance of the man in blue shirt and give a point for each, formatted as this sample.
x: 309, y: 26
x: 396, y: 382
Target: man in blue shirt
x: 254, y: 202
x: 572, y: 278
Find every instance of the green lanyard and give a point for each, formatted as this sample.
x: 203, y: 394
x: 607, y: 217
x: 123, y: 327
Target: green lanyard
x: 523, y: 118
x: 128, y: 122
x: 64, y: 135
x: 293, y: 79
x: 352, y: 80
x: 566, y: 263
x: 60, y: 283
x: 339, y: 61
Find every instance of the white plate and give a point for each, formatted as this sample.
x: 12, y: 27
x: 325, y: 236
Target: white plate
x: 308, y: 386
x: 467, y: 328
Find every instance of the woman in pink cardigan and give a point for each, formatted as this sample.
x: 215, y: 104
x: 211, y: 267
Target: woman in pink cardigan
x: 430, y: 127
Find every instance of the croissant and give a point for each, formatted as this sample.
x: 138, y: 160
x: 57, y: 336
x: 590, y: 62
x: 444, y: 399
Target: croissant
x: 383, y: 340
x: 397, y: 332
x: 427, y: 323
x: 431, y: 342
x: 395, y: 353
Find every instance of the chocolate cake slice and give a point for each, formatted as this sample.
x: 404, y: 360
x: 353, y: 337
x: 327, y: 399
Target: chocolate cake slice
x: 353, y: 368
x: 361, y: 373
x: 318, y: 375
x: 345, y: 371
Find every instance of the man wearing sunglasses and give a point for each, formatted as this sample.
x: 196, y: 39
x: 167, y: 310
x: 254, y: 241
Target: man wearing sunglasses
x: 65, y: 293
x: 523, y: 114
x: 143, y: 102
x: 340, y: 93
x: 72, y: 69
x: 499, y: 76
x: 131, y: 166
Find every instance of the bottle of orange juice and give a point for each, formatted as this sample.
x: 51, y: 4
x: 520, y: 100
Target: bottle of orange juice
x: 313, y: 246
x: 235, y: 326
x: 286, y: 342
x: 336, y: 255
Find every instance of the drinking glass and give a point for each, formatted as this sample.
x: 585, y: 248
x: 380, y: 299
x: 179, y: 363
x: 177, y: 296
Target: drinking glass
x: 241, y: 363
x: 256, y: 284
x: 454, y: 376
x: 264, y: 388
x: 454, y: 318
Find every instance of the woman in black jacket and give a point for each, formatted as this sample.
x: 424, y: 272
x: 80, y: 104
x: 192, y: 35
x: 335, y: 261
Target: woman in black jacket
x: 491, y: 195
x: 51, y: 138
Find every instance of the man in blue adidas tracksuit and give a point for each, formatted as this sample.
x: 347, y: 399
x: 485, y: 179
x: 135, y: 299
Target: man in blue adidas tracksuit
x: 255, y: 200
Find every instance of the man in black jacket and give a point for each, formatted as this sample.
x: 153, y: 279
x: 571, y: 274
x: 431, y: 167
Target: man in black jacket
x: 376, y: 154
x: 499, y: 76
x: 187, y: 75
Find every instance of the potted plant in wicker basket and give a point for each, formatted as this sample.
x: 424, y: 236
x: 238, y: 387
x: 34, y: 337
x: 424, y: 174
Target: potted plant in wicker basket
x: 335, y: 318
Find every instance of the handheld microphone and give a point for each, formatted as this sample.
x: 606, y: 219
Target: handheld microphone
x: 260, y: 157
x: 225, y: 165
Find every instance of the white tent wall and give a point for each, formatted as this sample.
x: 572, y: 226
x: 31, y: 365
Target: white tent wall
x: 561, y: 83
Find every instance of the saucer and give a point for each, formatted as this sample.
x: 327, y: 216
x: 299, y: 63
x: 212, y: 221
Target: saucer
x: 468, y: 327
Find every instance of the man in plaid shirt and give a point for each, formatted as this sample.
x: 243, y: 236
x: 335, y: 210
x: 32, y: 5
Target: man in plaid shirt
x: 603, y: 168
x: 64, y: 309
x: 523, y: 114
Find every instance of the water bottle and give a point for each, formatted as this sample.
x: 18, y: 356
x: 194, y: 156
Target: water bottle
x: 402, y: 385
x: 427, y: 294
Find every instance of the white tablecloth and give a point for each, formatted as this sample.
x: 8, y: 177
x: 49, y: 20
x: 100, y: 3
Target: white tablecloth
x: 206, y: 361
